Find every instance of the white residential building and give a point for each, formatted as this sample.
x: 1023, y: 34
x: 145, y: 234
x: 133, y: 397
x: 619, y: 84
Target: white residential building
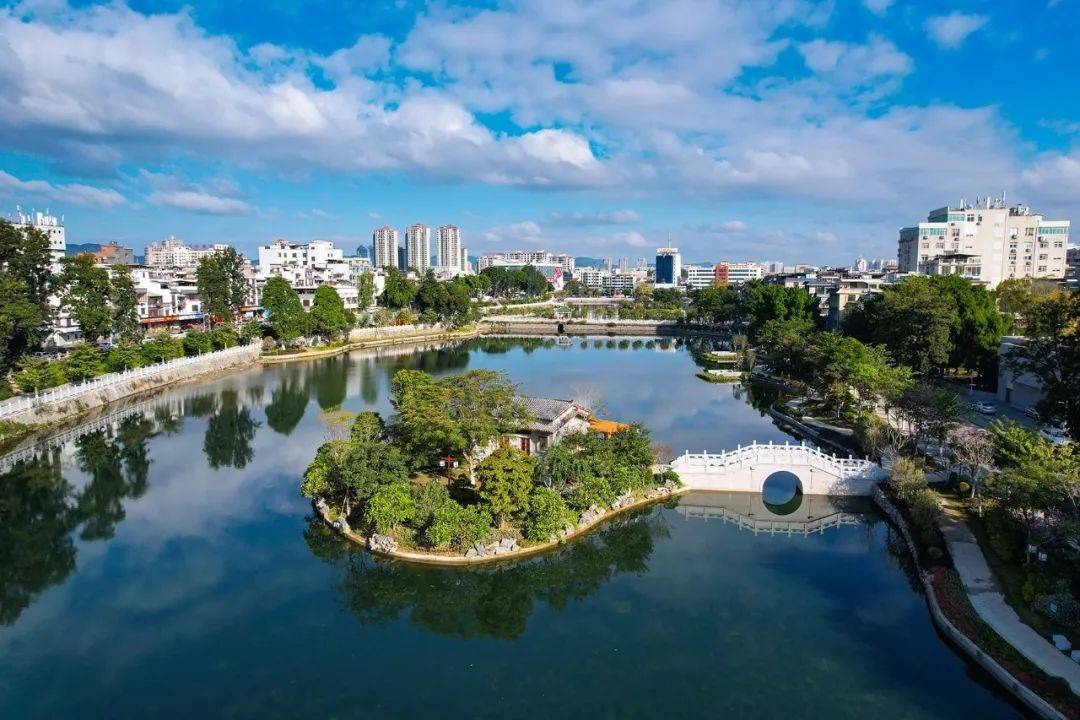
x: 985, y: 242
x: 726, y: 273
x: 553, y: 271
x: 610, y: 282
x: 386, y: 243
x: 418, y: 247
x: 173, y: 253
x: 449, y: 250
x: 525, y: 257
x: 52, y: 226
x: 698, y: 276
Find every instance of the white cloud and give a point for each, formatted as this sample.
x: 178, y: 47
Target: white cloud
x: 200, y: 202
x: 853, y: 63
x: 733, y: 225
x: 950, y: 31
x: 526, y: 232
x: 76, y: 193
x: 607, y: 217
x: 878, y: 7
x: 1056, y: 177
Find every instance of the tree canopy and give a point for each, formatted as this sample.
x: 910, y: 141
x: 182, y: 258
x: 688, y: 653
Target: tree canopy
x: 222, y: 285
x: 286, y: 313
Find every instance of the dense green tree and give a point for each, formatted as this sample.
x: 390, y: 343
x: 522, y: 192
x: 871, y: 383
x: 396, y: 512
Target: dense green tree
x: 915, y: 319
x: 222, y: 285
x: 717, y: 304
x: 124, y: 302
x: 84, y: 361
x: 365, y: 290
x: 125, y: 356
x: 328, y: 312
x: 976, y: 339
x: 26, y: 282
x: 287, y: 317
x: 505, y: 479
x: 224, y: 337
x: 789, y: 345
x: 1052, y: 353
x: 762, y: 302
x: 398, y: 290
x: 86, y: 295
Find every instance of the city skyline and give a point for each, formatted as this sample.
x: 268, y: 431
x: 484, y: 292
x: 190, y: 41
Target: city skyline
x: 813, y: 136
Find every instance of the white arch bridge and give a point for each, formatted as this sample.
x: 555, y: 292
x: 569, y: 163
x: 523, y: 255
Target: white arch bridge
x: 746, y: 469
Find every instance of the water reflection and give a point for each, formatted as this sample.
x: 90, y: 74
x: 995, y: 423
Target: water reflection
x: 492, y: 601
x: 288, y: 402
x: 754, y: 512
x: 229, y: 434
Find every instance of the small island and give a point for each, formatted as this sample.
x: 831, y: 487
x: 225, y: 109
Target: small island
x: 468, y: 470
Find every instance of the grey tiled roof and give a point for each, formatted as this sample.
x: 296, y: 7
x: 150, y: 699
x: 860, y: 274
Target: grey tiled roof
x: 544, y: 411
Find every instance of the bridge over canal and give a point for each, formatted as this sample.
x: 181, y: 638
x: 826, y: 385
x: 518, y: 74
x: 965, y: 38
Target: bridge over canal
x: 747, y: 468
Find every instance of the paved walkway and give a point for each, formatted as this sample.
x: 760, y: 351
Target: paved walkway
x: 991, y: 606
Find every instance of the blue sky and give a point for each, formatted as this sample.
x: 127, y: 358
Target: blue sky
x: 787, y: 130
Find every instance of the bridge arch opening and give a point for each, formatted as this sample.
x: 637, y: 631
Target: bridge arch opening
x: 782, y: 492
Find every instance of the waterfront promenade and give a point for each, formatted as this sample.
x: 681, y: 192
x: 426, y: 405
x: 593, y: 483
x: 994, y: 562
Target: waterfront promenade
x: 988, y: 601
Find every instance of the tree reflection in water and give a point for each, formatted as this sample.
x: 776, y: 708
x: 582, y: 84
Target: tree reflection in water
x: 40, y: 510
x: 288, y: 402
x: 486, y: 601
x: 229, y: 433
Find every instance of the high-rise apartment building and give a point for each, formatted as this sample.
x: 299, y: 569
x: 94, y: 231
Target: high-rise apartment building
x: 985, y: 242
x: 386, y: 244
x: 418, y: 247
x: 668, y: 266
x: 449, y: 250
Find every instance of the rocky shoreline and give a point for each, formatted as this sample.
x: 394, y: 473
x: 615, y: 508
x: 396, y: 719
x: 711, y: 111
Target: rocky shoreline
x: 505, y: 548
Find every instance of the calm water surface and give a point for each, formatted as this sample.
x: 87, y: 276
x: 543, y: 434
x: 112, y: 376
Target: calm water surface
x: 170, y: 569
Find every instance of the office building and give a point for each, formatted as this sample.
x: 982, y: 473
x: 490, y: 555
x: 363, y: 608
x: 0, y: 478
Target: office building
x: 418, y: 247
x: 725, y: 273
x: 668, y: 266
x: 985, y: 242
x: 385, y: 241
x: 699, y: 276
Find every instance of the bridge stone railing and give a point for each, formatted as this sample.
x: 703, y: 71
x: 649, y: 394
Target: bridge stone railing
x: 786, y: 454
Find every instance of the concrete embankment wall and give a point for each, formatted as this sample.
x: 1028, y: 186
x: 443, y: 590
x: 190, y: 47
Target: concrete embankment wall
x: 378, y: 337
x: 99, y: 394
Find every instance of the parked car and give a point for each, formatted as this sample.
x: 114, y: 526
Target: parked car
x: 986, y: 408
x: 1055, y: 435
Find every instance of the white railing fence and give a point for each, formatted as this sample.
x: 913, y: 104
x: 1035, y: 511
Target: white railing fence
x: 785, y: 454
x: 70, y: 391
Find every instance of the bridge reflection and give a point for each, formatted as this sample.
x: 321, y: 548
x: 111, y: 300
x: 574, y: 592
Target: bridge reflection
x: 750, y: 511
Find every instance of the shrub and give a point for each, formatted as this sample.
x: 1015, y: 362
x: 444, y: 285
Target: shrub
x: 428, y: 497
x: 547, y: 514
x: 390, y: 506
x: 224, y: 337
x: 84, y: 361
x: 124, y: 357
x: 197, y: 342
x: 39, y: 374
x: 670, y: 476
x: 457, y: 526
x: 162, y: 347
x: 591, y: 490
x: 1006, y: 535
x: 925, y: 508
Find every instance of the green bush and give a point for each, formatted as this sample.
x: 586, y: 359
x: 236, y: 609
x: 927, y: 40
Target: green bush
x: 39, y: 374
x: 124, y: 357
x: 547, y: 514
x: 455, y: 526
x: 390, y: 506
x: 591, y: 490
x: 162, y: 347
x: 428, y: 498
x: 197, y: 342
x: 1006, y: 535
x: 84, y: 361
x: 224, y: 337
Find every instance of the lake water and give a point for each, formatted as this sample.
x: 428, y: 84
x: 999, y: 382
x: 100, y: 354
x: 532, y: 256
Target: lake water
x: 171, y: 569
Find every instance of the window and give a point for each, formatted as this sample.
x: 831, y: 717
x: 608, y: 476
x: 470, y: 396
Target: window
x: 1028, y: 232
x: 971, y: 217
